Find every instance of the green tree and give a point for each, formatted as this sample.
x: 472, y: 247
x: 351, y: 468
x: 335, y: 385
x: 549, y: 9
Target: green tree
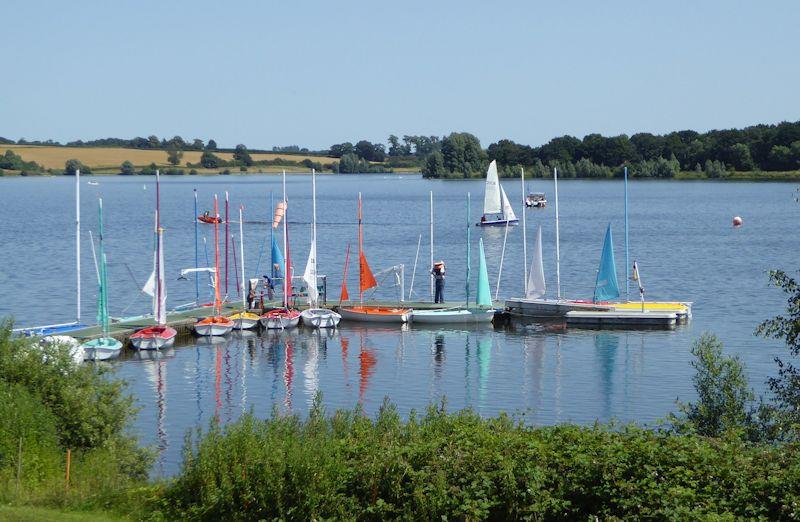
x: 71, y: 166
x: 209, y: 160
x: 780, y: 158
x: 462, y: 154
x: 127, y: 168
x: 725, y: 403
x: 741, y: 158
x: 434, y: 165
x: 174, y: 156
x: 211, y: 145
x: 241, y: 156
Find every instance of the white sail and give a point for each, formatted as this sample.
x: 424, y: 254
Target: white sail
x: 491, y: 200
x: 310, y: 275
x: 536, y: 285
x: 508, y: 212
x: 149, y: 287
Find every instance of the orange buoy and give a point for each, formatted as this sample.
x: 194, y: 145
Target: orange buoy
x: 737, y: 221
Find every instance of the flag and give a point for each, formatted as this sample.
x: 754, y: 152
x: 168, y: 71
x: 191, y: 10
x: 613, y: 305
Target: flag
x: 636, y: 277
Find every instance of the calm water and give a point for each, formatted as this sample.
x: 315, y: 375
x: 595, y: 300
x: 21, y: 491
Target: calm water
x: 679, y: 232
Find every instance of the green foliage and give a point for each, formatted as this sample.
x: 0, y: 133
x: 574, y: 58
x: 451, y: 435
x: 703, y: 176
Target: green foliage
x: 352, y: 164
x: 174, y: 156
x: 724, y: 400
x: 13, y: 161
x: 72, y: 166
x: 209, y: 160
x: 462, y: 466
x: 715, y: 169
x: 149, y: 170
x: 127, y: 168
x: 784, y: 411
x: 241, y: 156
x: 211, y: 145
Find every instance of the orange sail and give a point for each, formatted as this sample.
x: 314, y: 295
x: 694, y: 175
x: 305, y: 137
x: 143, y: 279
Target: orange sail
x: 345, y: 296
x: 280, y: 210
x: 366, y: 278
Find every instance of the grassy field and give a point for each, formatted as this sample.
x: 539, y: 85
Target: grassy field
x: 112, y: 157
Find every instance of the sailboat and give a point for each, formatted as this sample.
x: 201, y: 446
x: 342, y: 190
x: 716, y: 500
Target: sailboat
x: 534, y: 303
x: 106, y: 347
x: 381, y: 314
x: 160, y: 335
x: 243, y: 320
x: 216, y: 324
x: 315, y: 316
x: 496, y: 208
x: 285, y: 317
x: 482, y: 312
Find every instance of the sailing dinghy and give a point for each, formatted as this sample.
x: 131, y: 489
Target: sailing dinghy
x: 483, y: 312
x: 243, y: 320
x: 315, y: 316
x: 496, y: 208
x: 160, y: 335
x: 106, y: 347
x: 217, y: 324
x: 375, y: 314
x: 286, y: 317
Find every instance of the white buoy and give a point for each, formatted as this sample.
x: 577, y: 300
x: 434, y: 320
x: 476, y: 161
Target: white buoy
x: 737, y: 221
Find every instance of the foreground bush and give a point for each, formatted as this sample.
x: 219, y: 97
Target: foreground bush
x: 460, y: 465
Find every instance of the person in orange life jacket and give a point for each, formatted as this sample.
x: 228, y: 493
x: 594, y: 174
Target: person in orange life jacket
x: 438, y: 276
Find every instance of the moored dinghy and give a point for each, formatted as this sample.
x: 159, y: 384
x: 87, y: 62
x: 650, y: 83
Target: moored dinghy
x: 285, y: 317
x: 216, y: 324
x: 314, y: 316
x: 106, y: 347
x: 483, y: 312
x: 378, y: 314
x: 160, y: 335
x: 243, y: 320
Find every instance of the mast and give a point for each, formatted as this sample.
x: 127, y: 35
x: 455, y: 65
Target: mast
x: 227, y: 240
x: 159, y: 279
x: 524, y: 235
x: 196, y: 255
x: 217, y: 300
x: 103, y: 281
x: 360, y: 254
x: 627, y: 275
x: 271, y: 238
x: 314, y: 229
x: 558, y: 252
x: 469, y: 234
x: 241, y: 252
x: 78, y: 243
x: 287, y: 276
x: 431, y: 265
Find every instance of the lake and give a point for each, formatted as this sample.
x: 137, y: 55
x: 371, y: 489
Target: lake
x: 680, y: 233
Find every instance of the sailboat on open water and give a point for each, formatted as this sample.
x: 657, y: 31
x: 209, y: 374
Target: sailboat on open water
x: 497, y: 210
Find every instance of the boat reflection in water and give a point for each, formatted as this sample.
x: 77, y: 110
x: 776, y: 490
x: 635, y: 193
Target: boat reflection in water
x: 156, y: 371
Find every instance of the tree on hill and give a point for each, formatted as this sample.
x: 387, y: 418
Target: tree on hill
x: 209, y: 160
x: 174, y: 156
x: 241, y: 156
x: 127, y: 168
x: 71, y: 166
x: 340, y: 149
x: 211, y: 145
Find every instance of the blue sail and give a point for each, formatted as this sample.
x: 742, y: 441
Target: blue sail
x: 277, y: 259
x: 606, y: 286
x: 484, y: 296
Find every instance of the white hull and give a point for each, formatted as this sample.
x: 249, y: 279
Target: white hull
x: 151, y: 343
x: 498, y: 223
x: 96, y: 351
x: 453, y: 316
x: 280, y: 323
x: 76, y: 351
x: 621, y: 319
x: 212, y: 329
x: 550, y: 307
x: 351, y: 315
x: 320, y: 318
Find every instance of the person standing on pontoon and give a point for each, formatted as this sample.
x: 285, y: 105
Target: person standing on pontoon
x: 438, y: 276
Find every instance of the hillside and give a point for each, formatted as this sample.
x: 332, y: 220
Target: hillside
x: 112, y: 157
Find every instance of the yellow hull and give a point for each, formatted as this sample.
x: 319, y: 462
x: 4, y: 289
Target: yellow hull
x: 660, y: 306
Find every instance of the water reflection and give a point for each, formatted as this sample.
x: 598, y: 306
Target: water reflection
x: 155, y: 362
x: 606, y: 347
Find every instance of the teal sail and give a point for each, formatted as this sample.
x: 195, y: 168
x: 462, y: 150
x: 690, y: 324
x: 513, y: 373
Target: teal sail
x: 277, y: 258
x: 606, y: 286
x: 102, y: 295
x: 469, y: 253
x: 484, y: 297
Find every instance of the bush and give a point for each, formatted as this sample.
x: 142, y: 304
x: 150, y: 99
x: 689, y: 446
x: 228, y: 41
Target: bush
x: 462, y: 466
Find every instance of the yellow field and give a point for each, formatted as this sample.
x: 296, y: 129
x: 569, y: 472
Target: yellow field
x: 102, y: 157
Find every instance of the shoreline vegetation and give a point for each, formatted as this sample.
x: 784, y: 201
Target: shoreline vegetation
x: 725, y: 456
x: 759, y: 152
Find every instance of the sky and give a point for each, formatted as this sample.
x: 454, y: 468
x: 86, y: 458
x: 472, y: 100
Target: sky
x: 314, y: 73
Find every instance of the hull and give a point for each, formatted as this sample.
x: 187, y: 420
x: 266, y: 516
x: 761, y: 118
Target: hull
x: 76, y: 350
x: 320, y: 318
x: 683, y: 310
x: 497, y: 223
x: 212, y: 326
x: 552, y: 308
x: 153, y: 338
x: 375, y: 314
x: 101, y: 349
x: 280, y: 319
x: 452, y: 316
x: 244, y: 321
x: 622, y: 319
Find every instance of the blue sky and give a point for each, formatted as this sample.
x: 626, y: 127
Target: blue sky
x: 314, y: 73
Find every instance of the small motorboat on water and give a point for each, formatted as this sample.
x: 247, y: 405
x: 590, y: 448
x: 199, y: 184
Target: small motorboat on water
x: 535, y: 200
x: 208, y: 218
